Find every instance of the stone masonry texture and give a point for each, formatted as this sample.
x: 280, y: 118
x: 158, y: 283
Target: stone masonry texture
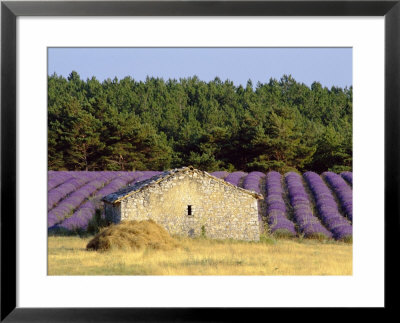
x: 218, y: 210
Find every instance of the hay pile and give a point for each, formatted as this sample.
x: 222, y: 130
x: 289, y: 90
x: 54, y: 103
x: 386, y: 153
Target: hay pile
x: 133, y: 235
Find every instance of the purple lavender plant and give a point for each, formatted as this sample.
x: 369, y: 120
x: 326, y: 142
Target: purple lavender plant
x: 308, y: 224
x: 61, y: 191
x: 348, y: 176
x: 343, y: 191
x: 276, y: 208
x: 81, y: 217
x: 146, y: 175
x: 57, y: 178
x: 235, y: 178
x: 220, y: 174
x: 327, y: 207
x: 75, y: 199
x: 252, y: 181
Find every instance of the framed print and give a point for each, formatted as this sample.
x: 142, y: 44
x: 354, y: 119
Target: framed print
x: 39, y: 37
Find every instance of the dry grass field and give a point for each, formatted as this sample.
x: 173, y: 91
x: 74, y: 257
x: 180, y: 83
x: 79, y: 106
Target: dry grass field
x: 270, y: 256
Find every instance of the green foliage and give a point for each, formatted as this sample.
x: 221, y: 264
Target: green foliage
x: 283, y: 233
x: 203, y: 232
x: 268, y: 239
x: 96, y: 223
x: 128, y: 125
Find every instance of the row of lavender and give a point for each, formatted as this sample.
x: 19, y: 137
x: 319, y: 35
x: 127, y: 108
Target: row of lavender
x: 290, y: 201
x: 72, y: 209
x: 73, y: 198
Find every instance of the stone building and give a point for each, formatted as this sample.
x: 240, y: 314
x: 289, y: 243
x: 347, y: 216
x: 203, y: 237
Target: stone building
x: 190, y: 202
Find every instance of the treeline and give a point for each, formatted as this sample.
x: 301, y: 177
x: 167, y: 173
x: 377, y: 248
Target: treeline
x: 155, y: 125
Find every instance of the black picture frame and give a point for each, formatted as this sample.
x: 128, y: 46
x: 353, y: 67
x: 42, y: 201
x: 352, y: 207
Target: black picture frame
x: 10, y: 10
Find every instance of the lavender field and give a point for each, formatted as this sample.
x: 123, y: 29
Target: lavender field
x: 308, y: 205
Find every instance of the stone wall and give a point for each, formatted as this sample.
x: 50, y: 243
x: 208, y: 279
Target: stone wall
x: 218, y: 210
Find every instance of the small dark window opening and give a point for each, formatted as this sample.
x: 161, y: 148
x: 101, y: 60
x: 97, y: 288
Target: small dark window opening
x: 189, y: 210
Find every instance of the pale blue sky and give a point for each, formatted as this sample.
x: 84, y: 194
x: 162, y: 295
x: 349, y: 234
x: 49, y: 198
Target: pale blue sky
x: 329, y: 66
